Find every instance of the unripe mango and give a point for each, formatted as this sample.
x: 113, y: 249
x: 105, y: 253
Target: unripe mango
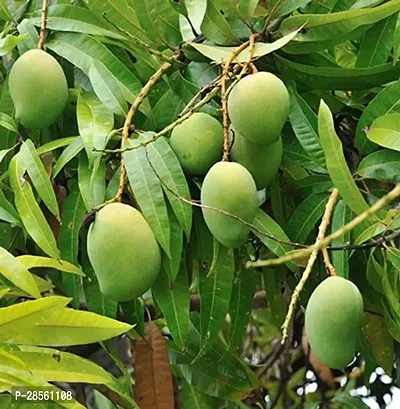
x: 123, y: 252
x: 262, y: 161
x: 197, y: 143
x: 258, y: 107
x: 333, y: 321
x: 229, y: 186
x: 38, y: 88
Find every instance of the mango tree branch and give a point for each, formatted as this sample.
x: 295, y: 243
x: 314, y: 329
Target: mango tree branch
x: 380, y: 204
x: 42, y: 34
x: 321, y: 234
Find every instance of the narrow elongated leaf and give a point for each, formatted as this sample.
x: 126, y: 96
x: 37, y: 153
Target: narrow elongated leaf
x: 168, y: 169
x: 7, y: 122
x: 68, y: 154
x: 107, y: 88
x: 21, y: 317
x: 192, y: 398
x: 95, y: 121
x: 172, y: 298
x: 265, y: 224
x: 31, y: 37
x: 4, y: 152
x: 340, y: 259
x: 148, y: 192
x: 7, y: 211
x: 306, y: 216
x: 215, y: 296
x: 196, y: 10
x: 336, y: 163
x: 7, y: 138
x: 72, y: 327
x: 40, y: 262
x: 29, y: 211
x: 63, y: 17
x: 38, y: 175
x: 153, y: 374
x: 17, y: 273
x: 279, y: 8
x: 5, y: 12
x: 53, y: 145
x: 383, y: 165
x: 385, y: 102
x: 385, y: 131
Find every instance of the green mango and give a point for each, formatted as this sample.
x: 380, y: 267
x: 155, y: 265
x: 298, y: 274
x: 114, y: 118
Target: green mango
x: 123, y: 251
x: 262, y: 161
x: 333, y: 321
x: 198, y: 143
x: 38, y: 88
x: 229, y: 187
x: 258, y: 107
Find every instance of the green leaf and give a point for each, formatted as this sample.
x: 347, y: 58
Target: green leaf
x: 265, y: 224
x: 215, y: 296
x: 192, y: 398
x: 377, y: 43
x: 68, y: 154
x: 53, y: 145
x: 5, y: 12
x: 7, y: 122
x: 38, y: 175
x: 63, y: 17
x: 279, y: 8
x: 276, y: 300
x: 7, y: 44
x: 148, y: 192
x: 107, y: 88
x: 30, y: 38
x: 196, y: 10
x: 67, y: 327
x: 338, y: 78
x: 393, y: 255
x: 306, y: 216
x: 7, y: 211
x: 320, y: 27
x: 173, y: 300
x: 17, y: 273
x: 215, y: 27
x: 95, y: 121
x: 29, y: 211
x: 82, y: 51
x: 40, y: 262
x: 71, y: 222
x: 385, y: 131
x: 169, y: 171
x: 23, y: 317
x: 340, y: 259
x: 336, y: 163
x: 4, y: 152
x: 383, y: 165
x: 221, y: 54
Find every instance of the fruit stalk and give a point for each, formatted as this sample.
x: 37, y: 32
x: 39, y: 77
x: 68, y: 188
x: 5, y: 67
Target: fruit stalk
x: 321, y: 234
x: 42, y: 34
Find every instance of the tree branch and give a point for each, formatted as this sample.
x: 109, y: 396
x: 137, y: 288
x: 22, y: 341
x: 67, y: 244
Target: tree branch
x: 42, y: 34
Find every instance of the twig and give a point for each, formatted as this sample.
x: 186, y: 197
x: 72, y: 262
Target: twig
x: 321, y: 234
x: 380, y: 204
x: 42, y: 34
x: 328, y: 263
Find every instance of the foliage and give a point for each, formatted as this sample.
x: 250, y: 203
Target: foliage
x: 220, y: 310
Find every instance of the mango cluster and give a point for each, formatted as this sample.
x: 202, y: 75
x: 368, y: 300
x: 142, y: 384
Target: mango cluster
x: 333, y: 321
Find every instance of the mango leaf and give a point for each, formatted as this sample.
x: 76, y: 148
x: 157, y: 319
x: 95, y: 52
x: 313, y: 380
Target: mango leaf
x: 168, y: 169
x: 215, y: 27
x: 276, y: 301
x: 38, y: 175
x: 306, y: 216
x: 383, y: 165
x: 196, y: 10
x: 221, y: 54
x: 385, y: 131
x: 107, y: 88
x: 5, y: 12
x: 30, y: 36
x: 63, y: 17
x: 279, y: 8
x: 72, y: 327
x: 375, y: 274
x: 68, y: 154
x: 45, y: 262
x: 340, y: 259
x: 7, y: 211
x: 4, y: 152
x: 368, y: 232
x: 53, y: 145
x: 95, y: 121
x: 82, y: 50
x: 265, y: 224
x: 215, y: 296
x: 336, y: 163
x: 320, y: 27
x: 7, y: 122
x: 172, y: 298
x: 17, y: 273
x: 338, y: 78
x: 21, y: 317
x: 29, y: 211
x: 377, y: 43
x: 393, y: 255
x: 305, y: 126
x: 192, y: 398
x: 148, y: 192
x: 386, y: 101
